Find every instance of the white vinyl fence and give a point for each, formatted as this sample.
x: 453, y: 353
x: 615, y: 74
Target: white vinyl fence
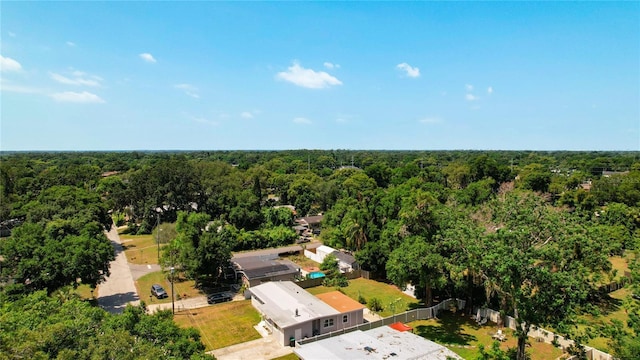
x: 543, y: 335
x: 408, y: 316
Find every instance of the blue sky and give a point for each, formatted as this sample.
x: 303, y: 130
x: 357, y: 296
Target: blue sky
x: 320, y: 75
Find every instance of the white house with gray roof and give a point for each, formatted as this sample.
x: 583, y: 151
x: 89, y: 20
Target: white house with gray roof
x: 290, y: 312
x: 346, y: 262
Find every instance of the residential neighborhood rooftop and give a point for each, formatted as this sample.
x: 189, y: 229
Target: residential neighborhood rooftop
x: 256, y: 267
x: 287, y: 303
x: 340, y: 301
x: 379, y: 343
x: 344, y: 257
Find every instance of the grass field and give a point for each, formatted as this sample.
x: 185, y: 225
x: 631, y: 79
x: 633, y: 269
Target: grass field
x: 302, y: 261
x: 291, y: 356
x: 386, y: 293
x: 222, y: 325
x: 462, y: 335
x: 620, y: 264
x: 84, y: 291
x: 140, y: 249
x: 612, y: 309
x: 181, y: 287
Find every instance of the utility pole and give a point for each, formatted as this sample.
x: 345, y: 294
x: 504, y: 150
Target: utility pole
x: 158, y: 236
x: 173, y: 305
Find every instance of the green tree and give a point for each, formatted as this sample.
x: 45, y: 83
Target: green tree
x: 277, y: 216
x: 202, y: 248
x: 534, y: 177
x: 540, y: 263
x: 49, y: 258
x: 333, y: 276
x: 417, y: 262
x: 41, y: 327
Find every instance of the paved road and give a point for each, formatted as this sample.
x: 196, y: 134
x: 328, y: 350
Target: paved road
x: 191, y: 303
x: 118, y: 290
x: 138, y: 271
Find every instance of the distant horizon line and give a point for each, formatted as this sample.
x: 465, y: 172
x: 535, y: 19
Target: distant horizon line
x: 305, y: 149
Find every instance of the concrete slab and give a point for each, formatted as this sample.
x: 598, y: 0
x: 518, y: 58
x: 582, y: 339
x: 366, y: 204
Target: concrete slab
x: 265, y: 348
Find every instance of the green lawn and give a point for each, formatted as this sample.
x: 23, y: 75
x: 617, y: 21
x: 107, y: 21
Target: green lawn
x: 620, y: 264
x: 140, y: 249
x: 222, y: 325
x: 302, y: 262
x: 611, y: 309
x: 291, y: 356
x: 462, y: 335
x: 386, y: 293
x: 181, y: 287
x: 84, y: 291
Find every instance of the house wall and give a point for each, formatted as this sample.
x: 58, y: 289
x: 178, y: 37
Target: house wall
x: 306, y: 331
x: 323, y: 254
x: 354, y: 318
x: 345, y: 267
x: 318, y: 255
x: 314, y: 256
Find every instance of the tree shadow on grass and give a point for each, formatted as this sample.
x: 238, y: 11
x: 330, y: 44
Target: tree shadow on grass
x: 607, y: 304
x: 448, y: 331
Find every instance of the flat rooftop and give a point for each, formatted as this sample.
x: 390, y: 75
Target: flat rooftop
x: 379, y: 343
x: 280, y: 300
x: 256, y: 267
x: 340, y: 301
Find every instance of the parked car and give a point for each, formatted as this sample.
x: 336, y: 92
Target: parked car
x: 302, y: 240
x: 218, y: 298
x: 158, y: 291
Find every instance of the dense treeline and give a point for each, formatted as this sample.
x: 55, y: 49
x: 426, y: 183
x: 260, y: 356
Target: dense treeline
x: 529, y: 233
x: 38, y: 326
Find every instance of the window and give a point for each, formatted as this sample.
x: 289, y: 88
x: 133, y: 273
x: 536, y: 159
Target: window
x: 328, y: 323
x: 345, y: 318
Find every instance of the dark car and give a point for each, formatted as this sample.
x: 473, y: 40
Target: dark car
x: 218, y: 298
x: 158, y: 291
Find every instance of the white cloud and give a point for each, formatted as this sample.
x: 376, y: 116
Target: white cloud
x: 246, y: 115
x: 79, y: 78
x: 490, y: 90
x: 7, y: 86
x: 8, y: 64
x: 413, y: 72
x: 147, y: 57
x: 430, y: 120
x: 301, y: 120
x: 308, y: 78
x: 188, y: 89
x: 71, y: 43
x: 76, y: 97
x: 468, y: 87
x: 202, y: 120
x: 471, y: 97
x: 329, y: 65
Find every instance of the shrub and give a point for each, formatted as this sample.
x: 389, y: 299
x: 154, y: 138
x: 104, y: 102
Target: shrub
x: 361, y: 299
x: 375, y: 305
